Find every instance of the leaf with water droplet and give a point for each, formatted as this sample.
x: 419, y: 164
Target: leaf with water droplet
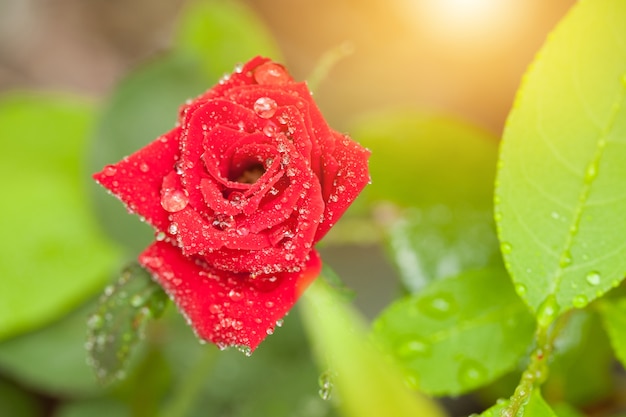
x: 118, y: 323
x: 533, y: 406
x: 458, y: 333
x: 560, y: 190
x: 363, y: 379
x: 449, y: 227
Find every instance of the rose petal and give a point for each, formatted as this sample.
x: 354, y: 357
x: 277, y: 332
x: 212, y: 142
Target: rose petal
x: 226, y: 309
x: 137, y: 179
x: 351, y: 177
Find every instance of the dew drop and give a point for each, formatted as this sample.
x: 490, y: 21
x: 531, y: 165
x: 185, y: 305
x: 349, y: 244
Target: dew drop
x: 269, y: 304
x: 547, y: 311
x: 591, y: 172
x: 471, y: 373
x: 439, y: 306
x: 566, y: 259
x: 555, y: 215
x: 326, y: 382
x: 270, y: 130
x: 173, y: 228
x: 235, y: 295
x: 520, y: 289
x: 271, y: 74
x: 173, y: 200
x: 593, y: 278
x: 580, y: 301
x: 143, y: 167
x: 412, y: 348
x: 269, y: 331
x: 280, y: 322
x: 265, y: 107
x: 506, y: 248
x: 137, y: 301
x: 109, y: 170
x: 160, y: 236
x: 95, y: 322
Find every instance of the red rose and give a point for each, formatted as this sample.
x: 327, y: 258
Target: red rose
x: 239, y: 192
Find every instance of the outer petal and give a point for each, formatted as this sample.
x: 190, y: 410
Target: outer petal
x: 227, y: 309
x: 137, y: 179
x: 351, y: 177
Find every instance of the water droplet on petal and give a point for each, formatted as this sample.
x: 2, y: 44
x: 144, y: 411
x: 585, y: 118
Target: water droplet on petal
x: 593, y: 278
x: 173, y: 229
x: 109, y: 170
x: 235, y: 295
x: 271, y: 74
x: 173, y: 200
x: 265, y: 107
x: 143, y: 167
x: 160, y: 236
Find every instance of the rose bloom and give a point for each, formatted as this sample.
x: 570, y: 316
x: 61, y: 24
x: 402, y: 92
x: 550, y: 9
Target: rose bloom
x: 239, y: 191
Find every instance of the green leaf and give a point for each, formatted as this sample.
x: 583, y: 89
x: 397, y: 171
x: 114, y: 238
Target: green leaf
x: 431, y: 243
x: 613, y: 314
x: 459, y: 333
x: 143, y: 106
x: 101, y: 407
x: 560, y: 193
x: 447, y: 175
x: 533, y: 406
x: 581, y: 353
x: 566, y: 410
x: 364, y: 382
x: 52, y: 359
x: 442, y: 160
x: 119, y: 322
x: 220, y: 34
x: 54, y: 254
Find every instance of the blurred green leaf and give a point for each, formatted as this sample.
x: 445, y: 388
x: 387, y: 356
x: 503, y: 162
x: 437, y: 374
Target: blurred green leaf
x: 278, y: 380
x: 534, y: 406
x: 15, y: 402
x: 144, y: 106
x: 444, y: 170
x: 118, y: 324
x: 560, y: 193
x: 52, y: 360
x: 101, y: 407
x: 220, y: 34
x: 581, y: 353
x: 613, y: 314
x: 431, y: 243
x: 425, y: 160
x: 566, y: 410
x: 54, y: 256
x: 459, y: 333
x: 364, y: 382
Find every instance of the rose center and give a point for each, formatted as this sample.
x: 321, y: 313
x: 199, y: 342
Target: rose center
x: 251, y: 174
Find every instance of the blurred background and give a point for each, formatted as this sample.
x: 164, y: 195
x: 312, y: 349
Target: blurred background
x: 465, y: 57
x: 86, y: 82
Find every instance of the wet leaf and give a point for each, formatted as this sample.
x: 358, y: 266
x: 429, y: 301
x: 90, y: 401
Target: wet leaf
x: 118, y: 324
x: 534, y: 406
x: 62, y: 370
x: 560, y: 189
x: 54, y: 255
x: 458, y: 333
x: 357, y: 373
